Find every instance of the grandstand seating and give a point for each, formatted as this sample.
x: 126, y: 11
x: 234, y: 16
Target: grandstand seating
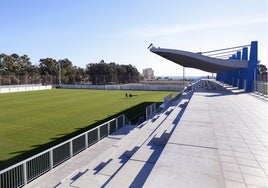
x: 125, y: 160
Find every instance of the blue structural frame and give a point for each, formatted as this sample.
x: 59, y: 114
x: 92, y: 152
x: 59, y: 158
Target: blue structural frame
x: 243, y: 78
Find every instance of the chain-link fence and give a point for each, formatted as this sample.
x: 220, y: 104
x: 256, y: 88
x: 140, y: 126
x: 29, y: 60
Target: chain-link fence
x: 13, y: 79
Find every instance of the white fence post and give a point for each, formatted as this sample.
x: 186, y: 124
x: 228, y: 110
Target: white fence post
x: 51, y: 159
x: 25, y: 173
x: 86, y: 139
x: 71, y: 148
x: 116, y: 123
x: 109, y: 128
x: 98, y: 133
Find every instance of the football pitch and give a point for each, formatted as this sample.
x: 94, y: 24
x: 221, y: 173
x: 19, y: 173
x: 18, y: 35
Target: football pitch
x: 29, y: 120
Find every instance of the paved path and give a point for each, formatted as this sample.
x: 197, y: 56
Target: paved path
x: 221, y: 141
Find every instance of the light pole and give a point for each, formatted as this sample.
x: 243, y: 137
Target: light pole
x: 59, y: 73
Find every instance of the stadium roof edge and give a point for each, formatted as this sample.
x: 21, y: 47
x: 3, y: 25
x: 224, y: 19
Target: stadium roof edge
x: 199, y: 61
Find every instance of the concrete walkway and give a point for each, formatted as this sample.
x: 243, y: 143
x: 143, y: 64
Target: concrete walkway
x: 221, y: 141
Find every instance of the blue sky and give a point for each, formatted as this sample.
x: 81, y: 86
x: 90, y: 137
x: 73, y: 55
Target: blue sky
x: 87, y: 31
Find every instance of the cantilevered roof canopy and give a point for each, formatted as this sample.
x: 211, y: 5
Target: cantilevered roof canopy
x: 199, y: 61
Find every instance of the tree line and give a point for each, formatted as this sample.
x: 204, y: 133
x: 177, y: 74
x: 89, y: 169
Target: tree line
x: 15, y: 69
x: 112, y: 73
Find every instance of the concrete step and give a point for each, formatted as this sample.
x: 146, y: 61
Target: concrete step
x: 76, y: 167
x: 118, y: 156
x: 135, y: 172
x: 109, y: 160
x: 165, y: 130
x: 163, y: 134
x: 130, y: 145
x: 101, y: 171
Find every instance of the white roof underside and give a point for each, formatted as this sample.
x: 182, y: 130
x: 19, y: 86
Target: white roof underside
x: 199, y: 61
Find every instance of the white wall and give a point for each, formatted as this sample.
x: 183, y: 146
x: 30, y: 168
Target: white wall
x: 21, y: 88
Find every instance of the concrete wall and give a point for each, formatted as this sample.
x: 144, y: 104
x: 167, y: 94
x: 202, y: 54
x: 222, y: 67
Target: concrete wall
x: 21, y: 88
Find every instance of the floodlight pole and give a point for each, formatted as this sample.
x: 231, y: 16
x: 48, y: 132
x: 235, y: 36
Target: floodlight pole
x: 59, y: 74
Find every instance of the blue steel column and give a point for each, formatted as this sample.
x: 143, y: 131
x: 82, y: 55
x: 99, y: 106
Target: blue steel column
x: 252, y: 66
x: 218, y: 76
x: 236, y: 72
x: 242, y: 72
x: 230, y: 74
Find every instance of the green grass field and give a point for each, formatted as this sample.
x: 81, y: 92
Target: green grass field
x: 29, y: 120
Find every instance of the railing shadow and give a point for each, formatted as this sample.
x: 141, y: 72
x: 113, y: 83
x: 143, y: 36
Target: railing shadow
x: 146, y: 170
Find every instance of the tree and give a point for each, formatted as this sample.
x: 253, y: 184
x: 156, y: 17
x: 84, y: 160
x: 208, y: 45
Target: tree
x: 3, y: 67
x: 26, y: 66
x: 104, y: 73
x: 262, y: 69
x: 80, y: 75
x: 16, y: 69
x: 48, y: 66
x: 67, y: 72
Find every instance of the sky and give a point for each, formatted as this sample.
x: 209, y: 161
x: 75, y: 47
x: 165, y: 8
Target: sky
x: 88, y: 31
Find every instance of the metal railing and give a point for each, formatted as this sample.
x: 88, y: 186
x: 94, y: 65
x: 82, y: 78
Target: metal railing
x: 261, y: 88
x: 167, y: 100
x: 150, y: 110
x: 25, y: 171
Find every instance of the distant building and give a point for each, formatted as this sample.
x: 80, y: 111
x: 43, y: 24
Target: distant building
x: 148, y: 73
